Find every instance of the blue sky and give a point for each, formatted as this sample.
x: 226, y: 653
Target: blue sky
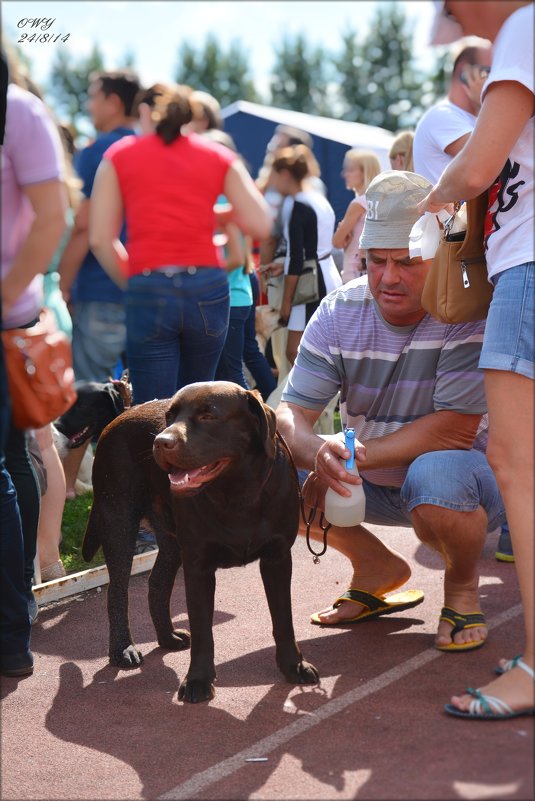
x: 154, y: 30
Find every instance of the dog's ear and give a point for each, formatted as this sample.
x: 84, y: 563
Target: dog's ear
x: 115, y: 397
x: 267, y: 420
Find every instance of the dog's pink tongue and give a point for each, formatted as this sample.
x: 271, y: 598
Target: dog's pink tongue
x: 181, y: 478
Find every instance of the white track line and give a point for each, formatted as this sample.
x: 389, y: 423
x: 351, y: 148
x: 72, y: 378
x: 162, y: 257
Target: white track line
x: 190, y: 788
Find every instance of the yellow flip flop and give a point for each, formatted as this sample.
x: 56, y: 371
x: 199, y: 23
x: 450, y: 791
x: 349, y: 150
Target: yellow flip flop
x: 460, y: 622
x: 377, y: 605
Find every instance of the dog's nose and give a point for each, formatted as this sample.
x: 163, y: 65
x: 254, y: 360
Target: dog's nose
x: 165, y: 441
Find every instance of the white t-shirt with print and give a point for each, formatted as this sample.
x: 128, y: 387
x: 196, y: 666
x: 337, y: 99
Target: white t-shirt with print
x: 509, y: 224
x: 440, y: 126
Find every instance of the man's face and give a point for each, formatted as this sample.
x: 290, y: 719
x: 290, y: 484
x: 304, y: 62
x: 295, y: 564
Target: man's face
x: 100, y: 108
x: 396, y: 282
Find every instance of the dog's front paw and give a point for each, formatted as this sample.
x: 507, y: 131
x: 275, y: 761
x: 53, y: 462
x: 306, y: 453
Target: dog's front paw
x: 176, y: 640
x: 195, y: 690
x: 128, y: 657
x: 302, y: 673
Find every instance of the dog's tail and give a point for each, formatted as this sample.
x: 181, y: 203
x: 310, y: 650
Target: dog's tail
x: 92, y: 541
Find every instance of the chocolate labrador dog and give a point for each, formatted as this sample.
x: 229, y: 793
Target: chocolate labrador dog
x: 208, y: 470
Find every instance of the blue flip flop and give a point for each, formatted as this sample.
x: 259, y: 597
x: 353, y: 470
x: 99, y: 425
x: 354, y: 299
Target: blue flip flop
x: 509, y: 665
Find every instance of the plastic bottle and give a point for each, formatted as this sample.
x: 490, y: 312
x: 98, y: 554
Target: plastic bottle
x: 342, y: 511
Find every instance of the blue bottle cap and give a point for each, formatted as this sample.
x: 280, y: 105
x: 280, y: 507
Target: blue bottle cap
x: 350, y: 445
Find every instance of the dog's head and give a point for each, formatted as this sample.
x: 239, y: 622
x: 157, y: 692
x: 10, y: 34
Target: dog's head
x: 211, y: 428
x: 96, y: 405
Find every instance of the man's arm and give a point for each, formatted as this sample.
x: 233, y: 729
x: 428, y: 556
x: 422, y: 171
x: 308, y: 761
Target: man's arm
x: 441, y: 430
x: 49, y: 203
x: 455, y: 147
x: 75, y: 250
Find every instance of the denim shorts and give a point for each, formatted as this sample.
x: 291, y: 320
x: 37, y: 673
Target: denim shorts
x: 98, y: 339
x: 509, y: 342
x: 457, y: 480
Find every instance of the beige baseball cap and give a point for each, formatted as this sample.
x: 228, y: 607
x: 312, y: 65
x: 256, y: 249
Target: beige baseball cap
x: 391, y: 200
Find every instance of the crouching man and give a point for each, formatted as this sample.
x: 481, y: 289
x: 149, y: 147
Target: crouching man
x: 410, y: 387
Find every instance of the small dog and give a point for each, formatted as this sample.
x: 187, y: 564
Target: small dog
x: 96, y: 406
x: 210, y: 473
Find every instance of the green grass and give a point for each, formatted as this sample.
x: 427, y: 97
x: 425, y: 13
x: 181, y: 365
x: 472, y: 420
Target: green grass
x: 75, y: 516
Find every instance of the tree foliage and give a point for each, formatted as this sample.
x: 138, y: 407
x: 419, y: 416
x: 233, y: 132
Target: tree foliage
x: 69, y: 82
x: 225, y: 75
x: 300, y: 77
x: 371, y: 79
x: 379, y: 84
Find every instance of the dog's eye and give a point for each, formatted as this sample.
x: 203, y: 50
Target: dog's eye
x: 204, y: 416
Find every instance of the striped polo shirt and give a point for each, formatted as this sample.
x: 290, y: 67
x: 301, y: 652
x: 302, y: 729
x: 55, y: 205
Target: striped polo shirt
x: 387, y: 375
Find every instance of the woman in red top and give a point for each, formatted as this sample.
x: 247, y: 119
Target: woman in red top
x: 166, y: 184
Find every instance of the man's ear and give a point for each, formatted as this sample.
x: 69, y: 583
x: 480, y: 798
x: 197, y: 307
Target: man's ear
x: 267, y: 421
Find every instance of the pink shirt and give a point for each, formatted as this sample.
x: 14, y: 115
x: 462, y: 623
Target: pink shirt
x: 32, y: 153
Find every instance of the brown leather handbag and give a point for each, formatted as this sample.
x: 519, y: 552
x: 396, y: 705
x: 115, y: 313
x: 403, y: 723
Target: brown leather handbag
x: 39, y: 370
x: 457, y: 289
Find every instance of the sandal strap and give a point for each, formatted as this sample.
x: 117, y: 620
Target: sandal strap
x: 461, y: 621
x: 487, y: 704
x: 367, y: 599
x: 526, y: 668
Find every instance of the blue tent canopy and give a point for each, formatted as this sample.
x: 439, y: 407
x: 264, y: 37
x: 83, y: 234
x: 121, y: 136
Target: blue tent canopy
x: 252, y: 125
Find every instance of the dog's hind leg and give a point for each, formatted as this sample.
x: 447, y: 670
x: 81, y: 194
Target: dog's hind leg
x: 277, y: 575
x: 161, y: 581
x: 118, y: 546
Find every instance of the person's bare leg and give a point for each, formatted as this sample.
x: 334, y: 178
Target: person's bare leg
x: 49, y: 531
x: 459, y: 538
x: 71, y: 465
x: 376, y: 567
x: 510, y: 400
x: 292, y: 344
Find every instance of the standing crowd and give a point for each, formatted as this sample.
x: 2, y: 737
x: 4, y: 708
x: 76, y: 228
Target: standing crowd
x: 162, y: 244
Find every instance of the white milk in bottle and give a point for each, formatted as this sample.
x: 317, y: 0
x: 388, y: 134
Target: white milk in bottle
x: 342, y: 511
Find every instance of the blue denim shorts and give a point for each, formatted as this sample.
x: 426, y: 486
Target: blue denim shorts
x: 509, y: 341
x: 98, y: 339
x: 457, y: 480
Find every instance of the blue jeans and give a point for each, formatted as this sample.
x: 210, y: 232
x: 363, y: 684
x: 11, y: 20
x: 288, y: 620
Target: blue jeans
x: 15, y: 627
x: 98, y: 339
x: 230, y: 367
x: 457, y: 480
x: 253, y: 357
x: 176, y: 321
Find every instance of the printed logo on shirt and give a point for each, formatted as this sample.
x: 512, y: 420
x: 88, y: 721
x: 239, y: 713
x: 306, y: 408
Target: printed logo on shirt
x: 503, y: 196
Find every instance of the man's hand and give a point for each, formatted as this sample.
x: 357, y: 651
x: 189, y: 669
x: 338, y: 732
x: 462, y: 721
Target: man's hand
x: 329, y: 467
x: 473, y: 77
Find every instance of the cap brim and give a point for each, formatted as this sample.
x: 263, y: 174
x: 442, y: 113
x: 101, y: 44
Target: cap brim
x: 385, y: 236
x: 444, y: 30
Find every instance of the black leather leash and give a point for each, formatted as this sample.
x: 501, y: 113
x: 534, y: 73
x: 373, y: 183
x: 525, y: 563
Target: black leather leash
x: 308, y: 520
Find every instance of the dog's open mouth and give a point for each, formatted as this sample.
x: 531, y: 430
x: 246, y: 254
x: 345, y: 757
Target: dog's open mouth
x: 186, y: 481
x: 80, y: 437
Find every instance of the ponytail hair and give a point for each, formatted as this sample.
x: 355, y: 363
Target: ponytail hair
x: 296, y: 159
x: 170, y: 108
